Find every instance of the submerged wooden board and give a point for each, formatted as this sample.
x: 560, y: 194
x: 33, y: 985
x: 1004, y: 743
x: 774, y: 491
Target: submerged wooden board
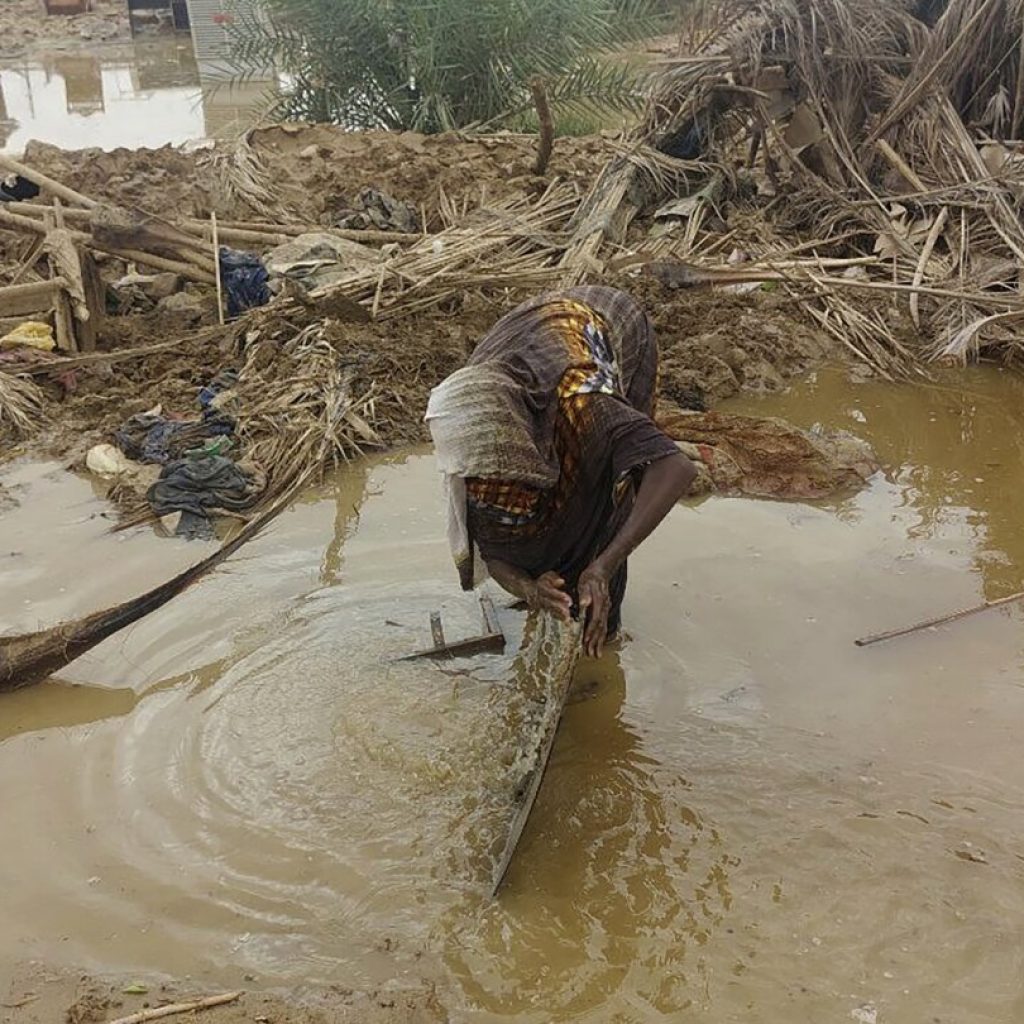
x: 539, y: 755
x: 492, y: 639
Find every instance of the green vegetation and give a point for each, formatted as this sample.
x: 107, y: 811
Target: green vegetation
x: 434, y: 65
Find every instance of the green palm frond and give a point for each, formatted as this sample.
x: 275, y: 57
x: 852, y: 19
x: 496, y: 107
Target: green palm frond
x: 439, y: 64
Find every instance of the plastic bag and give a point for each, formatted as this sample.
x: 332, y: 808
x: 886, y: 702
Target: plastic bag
x: 30, y: 334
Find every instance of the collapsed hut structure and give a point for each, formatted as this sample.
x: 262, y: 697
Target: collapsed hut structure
x: 859, y: 158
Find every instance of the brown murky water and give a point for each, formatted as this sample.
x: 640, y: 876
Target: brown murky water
x: 749, y: 820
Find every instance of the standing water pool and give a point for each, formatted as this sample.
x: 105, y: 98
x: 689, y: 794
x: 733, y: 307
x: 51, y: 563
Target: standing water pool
x: 745, y: 818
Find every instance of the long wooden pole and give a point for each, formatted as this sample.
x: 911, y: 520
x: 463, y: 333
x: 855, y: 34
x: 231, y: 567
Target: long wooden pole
x: 189, y: 270
x: 546, y: 124
x: 47, y: 183
x: 147, y: 259
x: 216, y: 268
x: 32, y: 289
x: 244, y: 231
x: 877, y: 638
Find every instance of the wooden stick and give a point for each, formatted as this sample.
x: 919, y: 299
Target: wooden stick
x: 545, y: 122
x: 375, y: 308
x: 243, y: 231
x: 62, y: 321
x: 34, y: 252
x: 32, y: 289
x: 688, y: 275
x: 117, y: 356
x: 216, y: 267
x: 189, y: 270
x: 265, y: 238
x: 49, y: 184
x: 1012, y: 301
x: 353, y: 234
x: 94, y: 291
x: 21, y: 300
x: 175, y: 1008
x: 900, y: 164
x: 38, y: 210
x: 929, y: 245
x: 37, y: 227
x: 876, y: 638
x: 1018, y: 99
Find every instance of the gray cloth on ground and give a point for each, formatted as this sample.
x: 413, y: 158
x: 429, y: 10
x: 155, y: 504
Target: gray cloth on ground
x: 198, y: 486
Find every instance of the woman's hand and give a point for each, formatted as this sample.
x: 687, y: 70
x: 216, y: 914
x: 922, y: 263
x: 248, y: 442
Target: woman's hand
x: 548, y: 594
x: 594, y: 606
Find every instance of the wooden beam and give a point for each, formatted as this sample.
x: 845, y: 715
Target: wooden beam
x: 34, y: 297
x: 47, y: 183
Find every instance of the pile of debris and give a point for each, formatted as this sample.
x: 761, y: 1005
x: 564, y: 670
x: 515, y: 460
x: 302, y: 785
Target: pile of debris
x: 853, y: 152
x: 817, y: 168
x: 808, y: 170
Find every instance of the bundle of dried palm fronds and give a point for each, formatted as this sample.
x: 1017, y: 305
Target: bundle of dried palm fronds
x: 848, y: 128
x: 21, y: 405
x: 295, y: 406
x: 234, y: 173
x: 509, y: 243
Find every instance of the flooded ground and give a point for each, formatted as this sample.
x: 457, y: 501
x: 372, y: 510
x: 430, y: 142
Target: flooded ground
x: 146, y: 94
x: 746, y: 819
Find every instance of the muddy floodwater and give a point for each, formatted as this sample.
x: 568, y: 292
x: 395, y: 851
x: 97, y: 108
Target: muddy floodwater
x: 746, y: 817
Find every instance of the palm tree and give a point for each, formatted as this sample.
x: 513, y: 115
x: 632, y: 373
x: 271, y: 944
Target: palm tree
x: 434, y: 65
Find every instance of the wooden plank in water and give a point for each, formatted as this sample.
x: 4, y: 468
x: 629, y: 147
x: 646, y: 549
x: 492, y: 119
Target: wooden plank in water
x: 491, y: 624
x: 436, y: 629
x: 493, y: 638
x: 530, y: 785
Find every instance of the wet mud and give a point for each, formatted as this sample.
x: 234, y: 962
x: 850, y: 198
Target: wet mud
x: 746, y: 818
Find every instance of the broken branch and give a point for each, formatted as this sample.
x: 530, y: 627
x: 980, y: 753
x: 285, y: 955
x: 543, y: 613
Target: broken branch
x: 877, y: 638
x: 175, y: 1008
x: 545, y: 123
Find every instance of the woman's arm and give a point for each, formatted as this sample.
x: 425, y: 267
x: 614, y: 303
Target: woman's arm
x: 664, y: 483
x: 546, y: 592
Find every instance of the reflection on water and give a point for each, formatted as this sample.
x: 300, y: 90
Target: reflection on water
x: 150, y: 94
x: 617, y: 884
x: 746, y: 817
x: 64, y: 706
x: 955, y: 449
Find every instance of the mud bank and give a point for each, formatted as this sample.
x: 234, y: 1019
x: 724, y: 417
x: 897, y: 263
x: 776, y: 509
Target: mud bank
x: 37, y: 994
x: 316, y: 170
x: 713, y: 343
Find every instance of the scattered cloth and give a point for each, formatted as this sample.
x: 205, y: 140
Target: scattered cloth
x: 154, y: 438
x: 224, y: 381
x: 16, y: 189
x: 197, y: 486
x: 244, y: 278
x: 104, y: 460
x: 317, y: 260
x: 150, y: 437
x: 374, y: 209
